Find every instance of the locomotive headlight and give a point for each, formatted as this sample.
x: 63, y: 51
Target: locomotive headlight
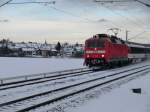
x: 103, y: 55
x: 88, y: 56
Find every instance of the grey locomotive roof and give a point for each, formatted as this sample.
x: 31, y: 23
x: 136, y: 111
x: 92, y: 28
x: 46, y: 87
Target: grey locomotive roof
x: 132, y: 44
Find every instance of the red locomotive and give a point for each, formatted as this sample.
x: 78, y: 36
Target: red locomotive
x: 106, y: 50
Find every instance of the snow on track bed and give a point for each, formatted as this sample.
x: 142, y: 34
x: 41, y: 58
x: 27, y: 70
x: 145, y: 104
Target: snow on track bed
x: 15, y: 93
x: 40, y: 78
x: 86, y: 101
x: 67, y: 92
x: 13, y: 82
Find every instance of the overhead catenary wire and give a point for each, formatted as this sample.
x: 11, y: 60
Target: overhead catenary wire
x: 137, y: 35
x: 57, y: 9
x: 71, y: 14
x: 78, y: 16
x: 113, y: 24
x: 136, y: 21
x: 118, y: 1
x: 87, y: 19
x: 139, y: 26
x: 146, y: 4
x: 125, y: 17
x: 136, y: 18
x: 50, y: 2
x: 5, y: 3
x: 54, y: 8
x: 120, y: 26
x: 112, y: 1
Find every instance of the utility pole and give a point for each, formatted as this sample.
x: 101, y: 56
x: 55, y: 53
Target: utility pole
x: 127, y: 35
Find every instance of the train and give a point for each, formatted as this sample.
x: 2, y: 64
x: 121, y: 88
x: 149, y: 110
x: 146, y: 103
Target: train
x: 109, y: 50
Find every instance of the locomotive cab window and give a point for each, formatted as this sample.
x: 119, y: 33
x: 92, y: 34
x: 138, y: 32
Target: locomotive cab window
x: 95, y: 43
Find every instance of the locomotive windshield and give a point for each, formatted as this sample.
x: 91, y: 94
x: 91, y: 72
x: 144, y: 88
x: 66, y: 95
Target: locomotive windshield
x: 99, y: 43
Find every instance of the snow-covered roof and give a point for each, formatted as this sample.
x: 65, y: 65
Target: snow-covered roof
x: 79, y: 48
x: 28, y: 49
x: 53, y: 50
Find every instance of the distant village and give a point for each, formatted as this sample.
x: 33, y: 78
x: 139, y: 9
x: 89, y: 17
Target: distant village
x: 34, y: 49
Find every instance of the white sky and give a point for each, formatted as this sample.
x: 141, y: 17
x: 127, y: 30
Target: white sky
x: 73, y: 20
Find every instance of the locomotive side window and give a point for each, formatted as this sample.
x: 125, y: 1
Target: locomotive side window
x: 148, y: 50
x: 137, y: 50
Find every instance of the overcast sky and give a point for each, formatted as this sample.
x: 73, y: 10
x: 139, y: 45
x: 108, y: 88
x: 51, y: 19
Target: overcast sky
x: 73, y: 20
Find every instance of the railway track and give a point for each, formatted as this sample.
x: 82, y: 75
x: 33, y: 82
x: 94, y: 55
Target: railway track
x: 44, y: 98
x: 45, y: 77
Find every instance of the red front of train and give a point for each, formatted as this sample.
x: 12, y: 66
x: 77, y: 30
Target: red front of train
x: 102, y: 49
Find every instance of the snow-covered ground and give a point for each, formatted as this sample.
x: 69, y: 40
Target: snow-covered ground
x: 122, y: 99
x: 10, y: 67
x: 119, y: 99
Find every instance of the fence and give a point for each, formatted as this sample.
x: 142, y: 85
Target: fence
x: 38, y: 76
